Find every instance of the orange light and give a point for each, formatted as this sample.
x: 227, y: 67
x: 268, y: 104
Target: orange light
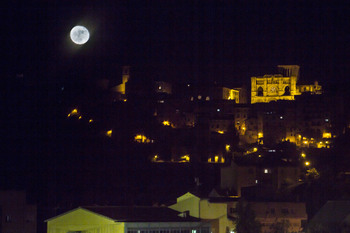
x: 166, y: 123
x: 109, y: 133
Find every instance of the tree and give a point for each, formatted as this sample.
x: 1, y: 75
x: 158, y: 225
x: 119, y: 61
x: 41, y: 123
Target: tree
x: 245, y: 220
x: 281, y: 226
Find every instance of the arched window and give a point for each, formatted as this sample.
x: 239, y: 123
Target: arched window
x: 286, y: 90
x: 260, y: 91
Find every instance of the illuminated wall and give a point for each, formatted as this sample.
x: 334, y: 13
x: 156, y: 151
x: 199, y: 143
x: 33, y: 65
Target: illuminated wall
x: 272, y: 88
x: 203, y: 209
x: 310, y: 88
x: 125, y: 78
x: 281, y: 86
x: 84, y: 221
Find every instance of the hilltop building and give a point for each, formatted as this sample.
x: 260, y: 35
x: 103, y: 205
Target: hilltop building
x: 120, y: 90
x: 282, y: 86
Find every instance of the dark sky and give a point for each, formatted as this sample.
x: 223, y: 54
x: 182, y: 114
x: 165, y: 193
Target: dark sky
x: 227, y: 41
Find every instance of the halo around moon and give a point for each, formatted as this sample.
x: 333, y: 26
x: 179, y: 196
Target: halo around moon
x: 79, y: 35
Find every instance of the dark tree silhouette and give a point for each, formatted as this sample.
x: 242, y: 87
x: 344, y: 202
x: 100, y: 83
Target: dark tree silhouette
x: 245, y: 221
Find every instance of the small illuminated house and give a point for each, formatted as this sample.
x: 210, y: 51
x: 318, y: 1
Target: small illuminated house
x: 206, y: 209
x: 117, y: 219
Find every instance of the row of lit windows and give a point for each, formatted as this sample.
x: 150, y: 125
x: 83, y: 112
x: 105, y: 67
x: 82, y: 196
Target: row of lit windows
x: 169, y: 230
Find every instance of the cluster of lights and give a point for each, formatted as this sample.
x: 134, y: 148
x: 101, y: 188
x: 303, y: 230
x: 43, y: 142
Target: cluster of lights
x: 166, y: 123
x: 140, y: 138
x: 321, y: 144
x: 306, y: 162
x: 185, y: 158
x: 76, y: 113
x: 217, y: 159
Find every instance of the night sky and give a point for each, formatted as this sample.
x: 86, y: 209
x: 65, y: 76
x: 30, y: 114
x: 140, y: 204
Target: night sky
x: 179, y: 41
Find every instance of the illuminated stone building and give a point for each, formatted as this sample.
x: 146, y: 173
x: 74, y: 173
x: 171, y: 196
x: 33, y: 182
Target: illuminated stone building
x: 282, y: 86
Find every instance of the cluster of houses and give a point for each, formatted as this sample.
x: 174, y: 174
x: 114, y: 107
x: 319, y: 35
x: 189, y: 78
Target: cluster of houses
x: 190, y: 213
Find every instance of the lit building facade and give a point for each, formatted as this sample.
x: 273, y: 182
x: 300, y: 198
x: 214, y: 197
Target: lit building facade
x: 121, y: 88
x: 107, y: 219
x: 282, y: 86
x: 214, y: 212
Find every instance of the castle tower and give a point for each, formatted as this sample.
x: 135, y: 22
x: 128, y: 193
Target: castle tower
x: 289, y: 70
x: 125, y: 74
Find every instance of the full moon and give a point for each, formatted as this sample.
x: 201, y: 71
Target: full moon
x: 79, y: 35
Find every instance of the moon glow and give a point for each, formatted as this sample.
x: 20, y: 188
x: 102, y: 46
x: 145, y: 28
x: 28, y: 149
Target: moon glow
x: 79, y: 35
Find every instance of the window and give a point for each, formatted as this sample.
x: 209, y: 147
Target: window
x: 286, y: 90
x: 284, y: 211
x: 260, y: 91
x: 267, y: 170
x: 8, y: 218
x: 233, y: 210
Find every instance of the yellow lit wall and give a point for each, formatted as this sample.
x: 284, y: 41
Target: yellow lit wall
x: 141, y: 139
x: 273, y: 88
x: 125, y: 78
x: 187, y: 202
x: 83, y: 220
x: 203, y: 209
